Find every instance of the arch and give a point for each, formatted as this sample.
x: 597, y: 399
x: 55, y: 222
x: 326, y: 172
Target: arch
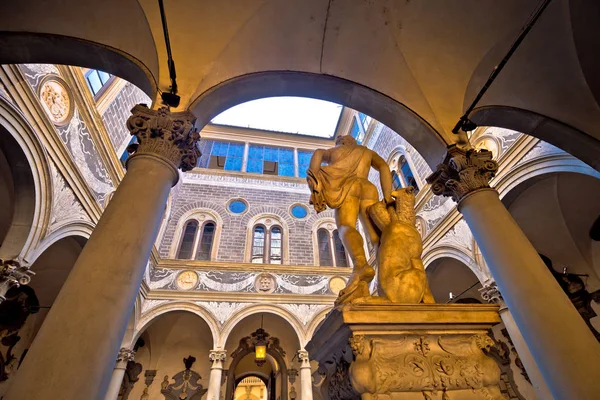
x: 115, y: 38
x: 559, y: 134
x: 437, y: 252
x: 448, y: 274
x: 82, y: 229
x: 35, y: 214
x: 257, y: 309
x: 315, y: 323
x: 146, y: 319
x: 394, y: 159
x: 537, y: 169
x: 422, y: 136
x: 191, y: 211
x: 256, y: 218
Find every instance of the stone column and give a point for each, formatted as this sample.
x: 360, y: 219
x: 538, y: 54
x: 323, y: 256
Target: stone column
x: 217, y: 358
x: 125, y: 355
x: 73, y: 355
x: 491, y: 294
x: 305, y: 376
x: 559, y: 340
x: 13, y: 274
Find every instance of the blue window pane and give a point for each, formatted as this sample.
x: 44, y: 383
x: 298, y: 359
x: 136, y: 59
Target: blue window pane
x: 271, y: 154
x: 255, y: 166
x: 94, y: 81
x: 355, y: 130
x: 104, y: 77
x: 302, y: 172
x: 237, y: 206
x: 362, y: 117
x: 286, y: 169
x: 219, y: 149
x: 256, y: 152
x: 299, y: 211
x: 236, y: 150
x: 233, y: 164
x: 286, y: 156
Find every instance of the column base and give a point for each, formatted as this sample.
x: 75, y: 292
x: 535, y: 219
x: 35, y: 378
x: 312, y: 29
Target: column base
x: 407, y: 351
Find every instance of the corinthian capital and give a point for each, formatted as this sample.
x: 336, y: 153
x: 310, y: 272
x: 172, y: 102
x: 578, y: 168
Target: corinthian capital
x: 303, y: 357
x: 166, y: 134
x: 13, y: 274
x: 491, y: 293
x: 125, y: 355
x: 217, y: 357
x: 462, y: 171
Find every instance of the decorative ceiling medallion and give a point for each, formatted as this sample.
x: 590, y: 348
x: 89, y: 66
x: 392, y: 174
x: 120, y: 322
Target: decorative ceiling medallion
x: 336, y: 284
x: 265, y: 283
x: 56, y: 100
x: 187, y: 280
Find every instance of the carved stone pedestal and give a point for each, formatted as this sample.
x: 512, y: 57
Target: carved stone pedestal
x: 407, y: 351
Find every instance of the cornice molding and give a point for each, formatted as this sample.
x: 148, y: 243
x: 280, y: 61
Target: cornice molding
x: 177, y: 295
x: 249, y: 267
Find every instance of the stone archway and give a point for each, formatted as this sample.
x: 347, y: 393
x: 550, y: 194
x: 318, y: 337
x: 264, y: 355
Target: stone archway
x: 449, y: 275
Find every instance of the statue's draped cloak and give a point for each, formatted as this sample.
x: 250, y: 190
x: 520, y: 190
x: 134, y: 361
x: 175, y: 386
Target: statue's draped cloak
x: 331, y: 184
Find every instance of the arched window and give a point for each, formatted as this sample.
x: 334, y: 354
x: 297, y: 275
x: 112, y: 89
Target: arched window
x: 197, y: 243
x: 396, y: 182
x: 258, y: 244
x: 206, y: 241
x: 331, y: 251
x: 407, y: 174
x: 325, y: 256
x: 187, y: 240
x: 275, y: 242
x: 341, y: 260
x: 267, y: 245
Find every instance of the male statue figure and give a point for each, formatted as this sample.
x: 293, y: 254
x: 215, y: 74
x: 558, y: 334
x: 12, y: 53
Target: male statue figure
x: 343, y: 185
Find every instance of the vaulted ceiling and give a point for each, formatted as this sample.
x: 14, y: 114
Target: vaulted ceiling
x: 414, y: 65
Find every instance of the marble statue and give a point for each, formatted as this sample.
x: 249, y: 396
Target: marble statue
x: 343, y: 185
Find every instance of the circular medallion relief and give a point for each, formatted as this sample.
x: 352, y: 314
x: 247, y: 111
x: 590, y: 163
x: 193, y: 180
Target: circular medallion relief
x: 336, y: 284
x: 265, y: 283
x: 56, y: 101
x: 187, y: 280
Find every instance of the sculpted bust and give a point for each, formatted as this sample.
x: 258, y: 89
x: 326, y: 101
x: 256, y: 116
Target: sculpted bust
x: 343, y: 185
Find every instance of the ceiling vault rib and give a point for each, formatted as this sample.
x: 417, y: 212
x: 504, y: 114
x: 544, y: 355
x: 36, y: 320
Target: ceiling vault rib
x: 323, y: 38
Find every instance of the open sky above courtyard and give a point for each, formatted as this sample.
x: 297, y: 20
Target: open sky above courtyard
x: 285, y: 114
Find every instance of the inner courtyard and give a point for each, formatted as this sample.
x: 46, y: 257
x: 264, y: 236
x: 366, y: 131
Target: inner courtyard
x: 185, y: 235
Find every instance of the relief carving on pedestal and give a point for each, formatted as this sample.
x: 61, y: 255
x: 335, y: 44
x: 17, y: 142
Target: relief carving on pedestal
x: 447, y: 367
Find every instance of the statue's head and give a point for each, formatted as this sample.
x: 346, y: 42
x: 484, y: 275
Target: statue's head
x: 345, y: 140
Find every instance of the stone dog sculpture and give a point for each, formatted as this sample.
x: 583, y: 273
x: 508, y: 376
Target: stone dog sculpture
x: 401, y: 272
x: 343, y: 185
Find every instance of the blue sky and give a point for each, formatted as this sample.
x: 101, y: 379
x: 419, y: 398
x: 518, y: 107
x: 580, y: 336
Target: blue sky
x: 284, y: 114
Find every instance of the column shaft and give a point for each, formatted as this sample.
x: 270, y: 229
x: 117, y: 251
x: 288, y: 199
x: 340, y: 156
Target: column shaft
x: 115, y: 383
x: 305, y: 376
x: 73, y: 355
x: 214, y: 384
x: 559, y: 340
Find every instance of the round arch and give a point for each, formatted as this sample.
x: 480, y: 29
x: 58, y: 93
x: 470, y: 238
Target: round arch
x: 557, y: 133
x: 146, y: 319
x: 314, y: 324
x: 81, y: 229
x: 456, y: 253
x: 31, y: 215
x: 422, y: 136
x: 448, y: 274
x: 257, y: 309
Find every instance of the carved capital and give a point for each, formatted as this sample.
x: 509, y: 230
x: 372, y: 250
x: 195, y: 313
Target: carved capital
x: 166, y: 134
x: 491, y: 293
x: 462, y: 171
x: 217, y: 357
x: 303, y: 357
x: 13, y: 274
x: 124, y: 356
